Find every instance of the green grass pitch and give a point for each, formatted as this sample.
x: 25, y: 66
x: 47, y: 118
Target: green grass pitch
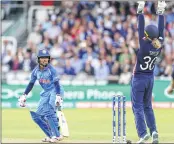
x: 85, y: 125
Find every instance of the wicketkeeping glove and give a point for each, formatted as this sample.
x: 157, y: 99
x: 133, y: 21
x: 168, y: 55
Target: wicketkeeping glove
x: 59, y: 100
x: 161, y: 7
x: 140, y: 8
x: 22, y: 100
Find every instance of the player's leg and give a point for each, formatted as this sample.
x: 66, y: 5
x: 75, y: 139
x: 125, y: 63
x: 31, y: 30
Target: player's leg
x: 39, y: 119
x: 46, y: 110
x: 52, y: 118
x: 41, y: 123
x: 149, y: 114
x: 171, y: 86
x: 137, y: 94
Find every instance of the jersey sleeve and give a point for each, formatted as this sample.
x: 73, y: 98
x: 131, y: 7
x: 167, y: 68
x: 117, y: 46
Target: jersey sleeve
x: 33, y: 76
x: 31, y: 83
x: 55, y: 78
x: 141, y: 23
x: 161, y: 26
x: 54, y: 75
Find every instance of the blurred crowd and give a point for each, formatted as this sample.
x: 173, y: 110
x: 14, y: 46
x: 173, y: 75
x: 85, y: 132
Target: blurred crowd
x: 97, y: 39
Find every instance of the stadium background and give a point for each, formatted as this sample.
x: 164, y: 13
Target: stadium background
x: 92, y: 46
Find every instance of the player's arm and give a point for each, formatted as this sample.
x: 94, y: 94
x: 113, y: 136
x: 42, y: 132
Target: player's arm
x: 56, y: 81
x: 31, y: 83
x: 141, y: 26
x: 172, y: 81
x: 141, y: 21
x: 161, y: 26
x: 59, y: 97
x: 160, y: 11
x: 171, y: 86
x: 57, y: 87
x: 22, y: 99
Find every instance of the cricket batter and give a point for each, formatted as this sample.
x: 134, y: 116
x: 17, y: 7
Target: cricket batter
x: 150, y: 40
x: 171, y: 86
x: 45, y: 116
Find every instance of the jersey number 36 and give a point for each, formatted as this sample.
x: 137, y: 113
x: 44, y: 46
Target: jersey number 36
x: 149, y: 63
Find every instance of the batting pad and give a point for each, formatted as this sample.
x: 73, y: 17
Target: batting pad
x: 53, y: 124
x: 42, y: 124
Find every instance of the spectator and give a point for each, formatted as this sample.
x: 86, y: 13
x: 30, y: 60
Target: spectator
x: 15, y: 64
x: 77, y: 63
x: 56, y: 51
x: 28, y: 64
x: 68, y: 69
x: 125, y: 76
x: 54, y: 30
x: 109, y: 63
x: 46, y: 44
x: 35, y: 37
x: 97, y: 38
x: 101, y: 72
x: 8, y: 45
x: 7, y: 58
x: 89, y: 55
x: 88, y: 68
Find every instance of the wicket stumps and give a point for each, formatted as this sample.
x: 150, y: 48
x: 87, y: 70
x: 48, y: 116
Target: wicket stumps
x: 120, y: 107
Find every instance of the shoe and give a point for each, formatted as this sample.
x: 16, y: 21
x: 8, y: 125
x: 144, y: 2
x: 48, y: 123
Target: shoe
x: 46, y: 139
x: 60, y: 138
x: 155, y: 137
x: 56, y: 139
x: 140, y: 8
x: 161, y: 7
x: 144, y: 139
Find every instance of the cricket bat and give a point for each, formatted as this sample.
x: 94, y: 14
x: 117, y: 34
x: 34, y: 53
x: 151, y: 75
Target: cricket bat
x: 63, y: 124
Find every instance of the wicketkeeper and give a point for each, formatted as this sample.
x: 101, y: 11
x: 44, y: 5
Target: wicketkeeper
x: 150, y: 40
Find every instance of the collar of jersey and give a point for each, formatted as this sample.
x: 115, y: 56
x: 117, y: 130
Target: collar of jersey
x: 44, y: 68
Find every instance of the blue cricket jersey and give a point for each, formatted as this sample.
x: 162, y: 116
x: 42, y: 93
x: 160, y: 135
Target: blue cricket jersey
x: 48, y: 79
x: 147, y: 54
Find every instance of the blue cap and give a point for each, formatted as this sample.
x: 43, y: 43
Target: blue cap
x: 43, y: 53
x: 151, y: 31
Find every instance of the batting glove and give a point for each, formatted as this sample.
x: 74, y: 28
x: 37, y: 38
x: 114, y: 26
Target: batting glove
x: 140, y: 8
x: 59, y: 100
x: 161, y: 7
x: 22, y: 100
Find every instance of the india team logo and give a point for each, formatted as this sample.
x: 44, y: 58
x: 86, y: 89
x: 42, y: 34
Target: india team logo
x: 44, y: 51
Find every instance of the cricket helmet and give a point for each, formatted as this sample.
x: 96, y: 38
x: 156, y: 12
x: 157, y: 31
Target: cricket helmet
x: 43, y: 53
x: 151, y: 31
